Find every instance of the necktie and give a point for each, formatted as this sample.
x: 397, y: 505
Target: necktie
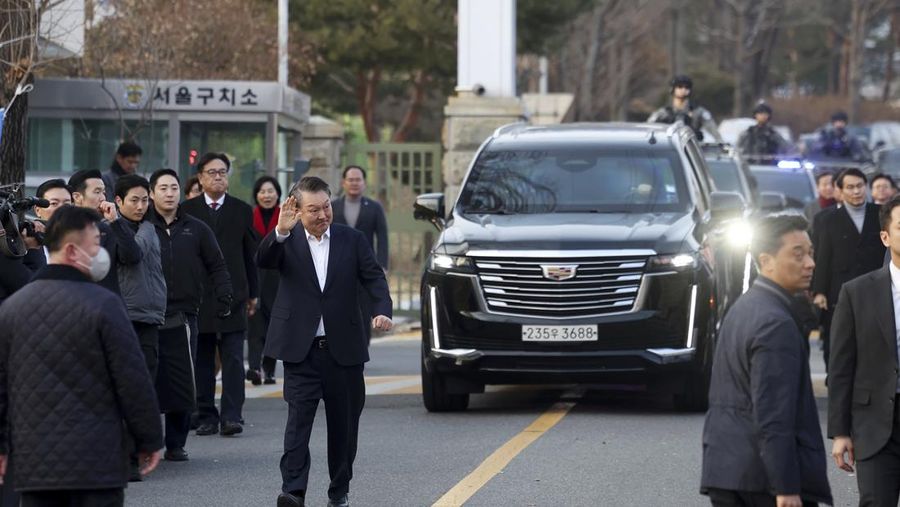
x: 214, y: 206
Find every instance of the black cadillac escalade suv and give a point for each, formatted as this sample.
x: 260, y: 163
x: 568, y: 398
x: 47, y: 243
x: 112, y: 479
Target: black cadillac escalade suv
x: 576, y: 253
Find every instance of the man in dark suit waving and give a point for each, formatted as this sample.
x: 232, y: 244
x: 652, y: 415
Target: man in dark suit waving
x: 366, y: 216
x: 863, y: 383
x: 322, y: 347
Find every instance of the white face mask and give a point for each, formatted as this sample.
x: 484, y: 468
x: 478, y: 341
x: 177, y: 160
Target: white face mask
x: 99, y: 267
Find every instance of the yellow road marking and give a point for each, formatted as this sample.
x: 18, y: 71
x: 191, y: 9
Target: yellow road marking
x: 496, y: 462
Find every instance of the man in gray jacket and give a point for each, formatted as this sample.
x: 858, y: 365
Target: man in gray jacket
x: 143, y: 284
x: 762, y: 443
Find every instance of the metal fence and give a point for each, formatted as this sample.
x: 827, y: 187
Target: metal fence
x: 397, y: 173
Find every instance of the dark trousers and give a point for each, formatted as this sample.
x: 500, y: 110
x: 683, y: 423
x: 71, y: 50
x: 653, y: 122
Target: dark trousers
x: 729, y: 498
x: 343, y: 390
x: 178, y: 425
x: 878, y: 477
x: 256, y: 342
x: 75, y: 498
x: 231, y: 352
x: 148, y: 337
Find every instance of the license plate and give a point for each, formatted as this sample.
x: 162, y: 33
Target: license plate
x: 559, y: 333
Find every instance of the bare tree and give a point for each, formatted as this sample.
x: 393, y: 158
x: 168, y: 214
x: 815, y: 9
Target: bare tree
x: 20, y: 57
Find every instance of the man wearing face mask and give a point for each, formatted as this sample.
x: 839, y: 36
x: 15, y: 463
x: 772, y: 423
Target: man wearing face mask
x: 143, y: 284
x: 66, y: 441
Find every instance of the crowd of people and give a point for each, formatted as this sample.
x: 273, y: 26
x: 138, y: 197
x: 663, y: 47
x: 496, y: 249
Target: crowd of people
x: 151, y: 288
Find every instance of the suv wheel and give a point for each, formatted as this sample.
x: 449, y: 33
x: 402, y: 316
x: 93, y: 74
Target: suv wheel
x: 435, y: 395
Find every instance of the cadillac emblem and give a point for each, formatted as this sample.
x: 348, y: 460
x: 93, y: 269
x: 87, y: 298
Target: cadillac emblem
x: 559, y: 273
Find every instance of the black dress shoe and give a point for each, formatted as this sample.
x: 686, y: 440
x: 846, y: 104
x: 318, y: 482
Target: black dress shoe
x: 289, y: 500
x: 207, y: 429
x: 343, y: 501
x: 231, y: 428
x: 270, y: 379
x: 254, y: 377
x: 176, y: 454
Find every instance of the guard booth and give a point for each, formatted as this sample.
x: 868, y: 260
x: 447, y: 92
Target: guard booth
x: 76, y: 124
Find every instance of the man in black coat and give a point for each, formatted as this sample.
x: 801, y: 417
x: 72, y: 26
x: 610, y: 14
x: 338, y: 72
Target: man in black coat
x: 231, y: 220
x: 366, y: 216
x: 82, y: 339
x: 89, y: 191
x: 863, y: 383
x: 191, y: 260
x: 315, y: 331
x: 762, y: 443
x: 848, y: 245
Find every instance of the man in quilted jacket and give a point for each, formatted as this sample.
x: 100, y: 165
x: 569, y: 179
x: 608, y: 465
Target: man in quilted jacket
x: 66, y: 434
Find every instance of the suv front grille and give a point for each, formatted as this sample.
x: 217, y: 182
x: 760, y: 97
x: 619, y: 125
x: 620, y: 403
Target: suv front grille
x: 561, y: 287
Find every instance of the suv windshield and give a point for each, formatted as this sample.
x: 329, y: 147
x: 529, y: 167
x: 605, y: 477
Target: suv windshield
x: 576, y: 179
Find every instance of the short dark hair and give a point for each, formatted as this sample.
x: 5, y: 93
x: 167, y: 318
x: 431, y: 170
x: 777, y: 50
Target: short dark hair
x: 311, y: 184
x: 884, y: 215
x: 78, y: 181
x: 209, y: 157
x: 347, y: 169
x: 882, y: 176
x: 262, y: 181
x: 768, y: 234
x: 850, y: 172
x: 822, y: 174
x: 129, y: 181
x: 50, y: 185
x: 159, y: 173
x: 129, y: 149
x: 68, y: 219
x: 193, y: 180
x: 839, y: 116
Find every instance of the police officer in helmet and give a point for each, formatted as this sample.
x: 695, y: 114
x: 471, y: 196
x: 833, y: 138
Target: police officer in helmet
x: 836, y: 142
x: 683, y: 109
x: 761, y: 140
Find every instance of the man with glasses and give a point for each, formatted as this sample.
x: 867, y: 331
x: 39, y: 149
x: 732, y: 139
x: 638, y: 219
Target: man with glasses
x: 848, y: 245
x: 231, y: 220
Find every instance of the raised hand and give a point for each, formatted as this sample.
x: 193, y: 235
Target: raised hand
x: 109, y: 211
x: 288, y: 216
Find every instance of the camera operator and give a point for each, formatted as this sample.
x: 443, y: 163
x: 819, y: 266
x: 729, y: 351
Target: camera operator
x: 88, y: 191
x: 16, y: 270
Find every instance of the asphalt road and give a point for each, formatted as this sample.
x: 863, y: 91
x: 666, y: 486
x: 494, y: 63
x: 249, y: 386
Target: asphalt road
x: 536, y: 446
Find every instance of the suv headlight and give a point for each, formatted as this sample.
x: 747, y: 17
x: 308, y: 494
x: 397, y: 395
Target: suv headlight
x: 677, y: 262
x: 739, y: 234
x: 444, y: 262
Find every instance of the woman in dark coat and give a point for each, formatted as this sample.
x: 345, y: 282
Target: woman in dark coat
x: 267, y: 194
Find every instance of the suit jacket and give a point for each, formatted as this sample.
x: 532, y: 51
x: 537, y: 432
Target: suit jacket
x: 371, y: 222
x: 862, y: 374
x: 300, y: 303
x: 762, y: 430
x: 843, y: 253
x: 232, y: 224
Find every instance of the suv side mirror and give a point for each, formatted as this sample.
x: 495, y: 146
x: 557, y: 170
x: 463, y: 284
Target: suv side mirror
x: 726, y: 205
x: 430, y: 208
x: 772, y: 201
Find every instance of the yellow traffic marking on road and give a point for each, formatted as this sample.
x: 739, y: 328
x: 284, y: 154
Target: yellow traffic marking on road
x: 375, y: 385
x: 496, y: 462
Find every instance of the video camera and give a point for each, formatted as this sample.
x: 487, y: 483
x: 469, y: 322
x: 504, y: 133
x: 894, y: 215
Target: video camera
x: 11, y: 206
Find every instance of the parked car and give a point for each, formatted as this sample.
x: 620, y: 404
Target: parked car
x: 585, y: 253
x: 794, y: 181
